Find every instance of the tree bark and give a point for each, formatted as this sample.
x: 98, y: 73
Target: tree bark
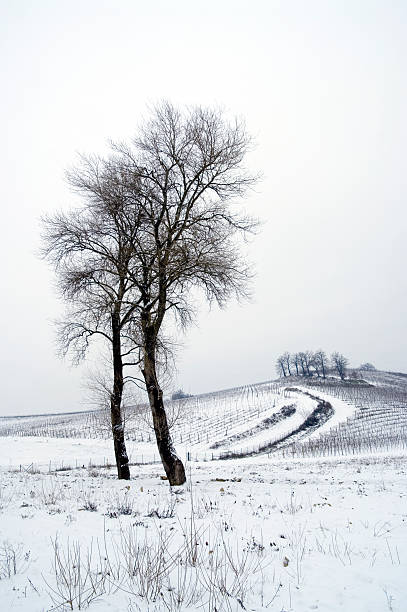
x: 120, y: 451
x: 172, y: 464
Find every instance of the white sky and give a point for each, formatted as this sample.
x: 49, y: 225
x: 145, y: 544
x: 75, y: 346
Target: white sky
x: 322, y: 86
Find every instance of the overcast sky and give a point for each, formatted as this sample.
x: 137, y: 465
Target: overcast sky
x: 322, y: 86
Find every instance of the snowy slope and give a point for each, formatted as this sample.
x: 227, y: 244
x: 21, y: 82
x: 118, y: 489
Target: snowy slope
x: 245, y: 420
x: 286, y: 530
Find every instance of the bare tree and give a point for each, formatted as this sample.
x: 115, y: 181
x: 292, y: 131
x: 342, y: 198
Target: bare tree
x: 320, y: 363
x: 155, y: 223
x: 92, y: 252
x: 339, y: 363
x: 367, y: 367
x: 179, y: 394
x: 305, y: 359
x: 301, y: 359
x: 295, y: 362
x: 287, y: 360
x: 281, y: 366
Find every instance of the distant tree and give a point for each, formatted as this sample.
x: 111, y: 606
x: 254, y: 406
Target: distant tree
x: 367, y: 367
x: 320, y: 363
x: 315, y: 366
x: 155, y: 224
x: 287, y: 360
x: 295, y: 362
x: 306, y: 359
x: 302, y: 362
x: 339, y: 363
x: 179, y: 394
x: 281, y: 366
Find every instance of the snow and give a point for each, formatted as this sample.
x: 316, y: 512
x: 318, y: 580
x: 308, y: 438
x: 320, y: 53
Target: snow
x: 56, y: 453
x: 304, y: 407
x: 262, y: 533
x: 342, y: 411
x: 322, y: 535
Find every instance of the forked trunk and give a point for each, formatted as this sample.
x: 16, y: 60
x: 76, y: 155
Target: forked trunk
x: 173, y: 465
x: 122, y: 461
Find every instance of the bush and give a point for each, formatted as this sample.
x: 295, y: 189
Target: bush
x: 179, y: 394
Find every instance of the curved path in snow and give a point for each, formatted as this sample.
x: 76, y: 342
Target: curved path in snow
x: 318, y: 417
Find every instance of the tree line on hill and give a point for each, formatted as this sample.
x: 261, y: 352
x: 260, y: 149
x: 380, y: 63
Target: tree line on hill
x: 316, y: 363
x: 311, y: 363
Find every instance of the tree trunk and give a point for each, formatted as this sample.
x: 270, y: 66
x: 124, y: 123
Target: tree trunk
x: 172, y: 464
x: 122, y: 461
x: 120, y: 451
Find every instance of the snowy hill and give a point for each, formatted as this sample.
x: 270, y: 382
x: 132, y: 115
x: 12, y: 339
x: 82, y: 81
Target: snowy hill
x: 293, y: 416
x: 295, y: 500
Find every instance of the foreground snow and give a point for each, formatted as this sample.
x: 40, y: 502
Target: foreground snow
x: 254, y: 534
x: 50, y: 454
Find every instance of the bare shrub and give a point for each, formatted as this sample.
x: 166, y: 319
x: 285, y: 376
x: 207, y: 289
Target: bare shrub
x: 12, y: 559
x: 204, y: 570
x: 164, y: 512
x: 121, y: 505
x: 79, y: 580
x: 90, y: 505
x: 51, y: 493
x: 147, y: 562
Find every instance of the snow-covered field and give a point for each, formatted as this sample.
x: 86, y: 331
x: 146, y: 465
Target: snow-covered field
x: 368, y: 416
x: 254, y: 534
x: 318, y: 522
